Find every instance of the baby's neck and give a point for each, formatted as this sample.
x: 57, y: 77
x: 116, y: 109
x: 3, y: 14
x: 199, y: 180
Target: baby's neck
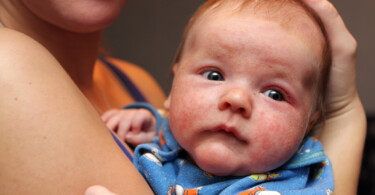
x: 185, y: 155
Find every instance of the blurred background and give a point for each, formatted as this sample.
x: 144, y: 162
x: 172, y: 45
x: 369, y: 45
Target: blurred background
x: 148, y: 33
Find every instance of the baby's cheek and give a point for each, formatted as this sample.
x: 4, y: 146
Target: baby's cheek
x: 186, y: 112
x: 277, y: 142
x: 179, y: 119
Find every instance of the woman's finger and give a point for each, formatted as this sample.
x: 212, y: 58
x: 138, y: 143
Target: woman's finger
x: 339, y: 36
x: 342, y: 82
x: 98, y: 190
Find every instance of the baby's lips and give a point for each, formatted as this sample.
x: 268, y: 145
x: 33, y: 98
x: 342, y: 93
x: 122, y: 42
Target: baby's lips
x: 230, y: 130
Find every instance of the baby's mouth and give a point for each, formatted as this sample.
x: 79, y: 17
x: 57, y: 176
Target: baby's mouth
x: 230, y: 132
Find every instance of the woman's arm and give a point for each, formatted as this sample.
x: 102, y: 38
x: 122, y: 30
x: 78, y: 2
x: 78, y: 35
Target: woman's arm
x: 52, y: 140
x: 344, y: 131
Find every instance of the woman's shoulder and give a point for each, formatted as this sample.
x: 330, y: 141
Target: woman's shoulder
x: 22, y: 58
x: 11, y: 39
x: 17, y: 48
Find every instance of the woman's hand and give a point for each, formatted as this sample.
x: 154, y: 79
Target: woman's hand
x: 343, y: 133
x: 342, y: 84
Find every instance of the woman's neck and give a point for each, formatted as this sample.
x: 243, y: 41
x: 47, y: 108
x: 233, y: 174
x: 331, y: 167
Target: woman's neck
x: 76, y: 52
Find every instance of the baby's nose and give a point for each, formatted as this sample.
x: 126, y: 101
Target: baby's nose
x: 238, y: 101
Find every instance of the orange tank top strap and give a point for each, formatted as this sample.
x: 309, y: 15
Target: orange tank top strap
x: 124, y: 80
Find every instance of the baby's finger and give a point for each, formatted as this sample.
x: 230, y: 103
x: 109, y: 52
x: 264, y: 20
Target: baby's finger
x: 143, y: 120
x: 140, y: 138
x: 123, y: 129
x: 113, y: 122
x: 108, y: 114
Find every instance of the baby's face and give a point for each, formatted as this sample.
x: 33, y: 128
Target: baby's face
x: 244, y: 93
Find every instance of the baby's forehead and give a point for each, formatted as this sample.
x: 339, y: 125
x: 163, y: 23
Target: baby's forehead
x: 281, y: 9
x: 290, y: 14
x: 293, y: 16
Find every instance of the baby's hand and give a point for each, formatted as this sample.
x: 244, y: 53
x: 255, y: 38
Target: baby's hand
x: 134, y: 126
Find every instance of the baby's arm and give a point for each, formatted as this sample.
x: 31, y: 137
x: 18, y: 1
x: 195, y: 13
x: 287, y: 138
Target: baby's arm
x: 134, y: 126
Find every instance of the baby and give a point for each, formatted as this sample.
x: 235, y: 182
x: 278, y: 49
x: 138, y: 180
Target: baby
x: 249, y: 84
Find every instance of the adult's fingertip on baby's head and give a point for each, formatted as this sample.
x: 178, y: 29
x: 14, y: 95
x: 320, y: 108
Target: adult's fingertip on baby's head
x: 98, y: 190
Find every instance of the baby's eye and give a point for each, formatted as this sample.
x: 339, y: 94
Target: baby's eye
x: 275, y: 95
x: 213, y: 75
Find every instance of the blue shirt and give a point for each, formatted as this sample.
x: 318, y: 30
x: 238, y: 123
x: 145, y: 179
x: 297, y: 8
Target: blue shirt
x: 308, y: 172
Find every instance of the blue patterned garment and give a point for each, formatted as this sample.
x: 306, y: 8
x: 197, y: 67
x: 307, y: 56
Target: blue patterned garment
x: 308, y: 172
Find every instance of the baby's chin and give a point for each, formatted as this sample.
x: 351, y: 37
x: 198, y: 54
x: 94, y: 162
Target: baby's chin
x: 228, y: 162
x: 226, y: 167
x: 223, y: 170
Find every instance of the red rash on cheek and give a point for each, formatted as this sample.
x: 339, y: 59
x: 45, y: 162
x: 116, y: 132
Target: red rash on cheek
x: 183, y: 110
x: 277, y: 135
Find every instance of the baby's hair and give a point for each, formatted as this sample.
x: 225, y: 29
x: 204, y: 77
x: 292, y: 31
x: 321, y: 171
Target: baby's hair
x: 274, y: 11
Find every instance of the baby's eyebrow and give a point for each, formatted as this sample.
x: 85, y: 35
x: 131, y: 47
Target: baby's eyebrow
x: 308, y: 79
x: 275, y: 66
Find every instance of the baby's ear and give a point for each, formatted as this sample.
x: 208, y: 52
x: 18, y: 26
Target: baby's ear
x: 313, y: 118
x: 167, y: 103
x: 174, y: 68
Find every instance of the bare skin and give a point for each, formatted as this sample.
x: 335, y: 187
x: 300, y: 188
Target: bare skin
x: 45, y: 118
x: 43, y: 148
x: 75, y: 46
x: 53, y: 140
x: 345, y: 117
